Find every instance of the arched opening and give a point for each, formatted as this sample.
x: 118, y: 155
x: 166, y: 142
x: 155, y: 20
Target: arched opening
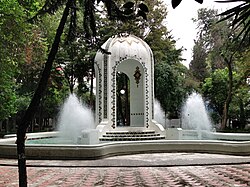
x: 130, y: 94
x: 123, y: 99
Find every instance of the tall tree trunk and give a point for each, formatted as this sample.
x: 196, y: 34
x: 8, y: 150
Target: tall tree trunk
x: 242, y: 114
x: 229, y: 93
x: 30, y: 112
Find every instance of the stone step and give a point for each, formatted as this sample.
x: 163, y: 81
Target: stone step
x: 131, y: 138
x: 131, y: 132
x: 131, y: 135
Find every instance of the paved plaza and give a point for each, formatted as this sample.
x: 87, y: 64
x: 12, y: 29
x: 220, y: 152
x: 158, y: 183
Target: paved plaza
x: 163, y: 169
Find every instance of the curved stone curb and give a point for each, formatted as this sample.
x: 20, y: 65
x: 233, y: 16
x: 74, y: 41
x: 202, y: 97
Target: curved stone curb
x: 61, y: 151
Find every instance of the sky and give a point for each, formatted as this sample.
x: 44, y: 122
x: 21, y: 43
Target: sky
x: 179, y: 22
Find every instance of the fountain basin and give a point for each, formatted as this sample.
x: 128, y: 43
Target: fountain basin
x: 180, y: 134
x: 231, y: 136
x: 71, y: 151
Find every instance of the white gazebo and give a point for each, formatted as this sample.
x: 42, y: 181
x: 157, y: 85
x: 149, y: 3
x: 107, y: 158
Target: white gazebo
x: 125, y: 86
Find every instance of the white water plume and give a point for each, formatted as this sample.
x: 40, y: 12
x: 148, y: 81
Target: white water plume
x: 159, y: 115
x: 74, y: 117
x: 194, y: 114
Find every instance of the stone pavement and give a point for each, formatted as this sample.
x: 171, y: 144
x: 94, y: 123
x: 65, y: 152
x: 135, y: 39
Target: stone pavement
x: 150, y: 170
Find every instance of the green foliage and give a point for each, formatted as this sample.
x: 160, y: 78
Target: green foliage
x: 212, y: 38
x: 31, y: 43
x: 169, y: 90
x: 12, y: 38
x: 240, y: 105
x: 240, y: 108
x: 240, y: 15
x: 22, y: 102
x: 22, y: 55
x: 53, y: 99
x: 198, y: 65
x: 214, y: 89
x: 223, y: 48
x: 7, y: 90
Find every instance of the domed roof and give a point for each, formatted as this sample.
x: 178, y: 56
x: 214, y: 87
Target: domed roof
x: 125, y: 46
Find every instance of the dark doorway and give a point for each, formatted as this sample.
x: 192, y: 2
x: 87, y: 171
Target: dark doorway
x: 123, y: 99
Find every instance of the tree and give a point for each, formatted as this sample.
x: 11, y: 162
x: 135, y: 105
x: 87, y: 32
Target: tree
x: 29, y: 114
x: 239, y: 108
x: 214, y: 89
x: 7, y: 87
x: 221, y: 45
x: 240, y: 15
x: 12, y: 41
x: 211, y: 36
x: 229, y: 50
x: 198, y: 65
x: 169, y: 88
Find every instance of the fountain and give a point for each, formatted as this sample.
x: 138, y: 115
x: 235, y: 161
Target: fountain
x: 194, y: 116
x: 134, y: 58
x: 159, y: 114
x: 74, y: 118
x: 196, y: 124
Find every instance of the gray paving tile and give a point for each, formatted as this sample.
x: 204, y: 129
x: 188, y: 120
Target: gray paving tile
x: 147, y: 171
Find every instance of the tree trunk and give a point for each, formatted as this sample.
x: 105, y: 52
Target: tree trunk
x: 242, y: 115
x: 229, y: 93
x: 30, y: 112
